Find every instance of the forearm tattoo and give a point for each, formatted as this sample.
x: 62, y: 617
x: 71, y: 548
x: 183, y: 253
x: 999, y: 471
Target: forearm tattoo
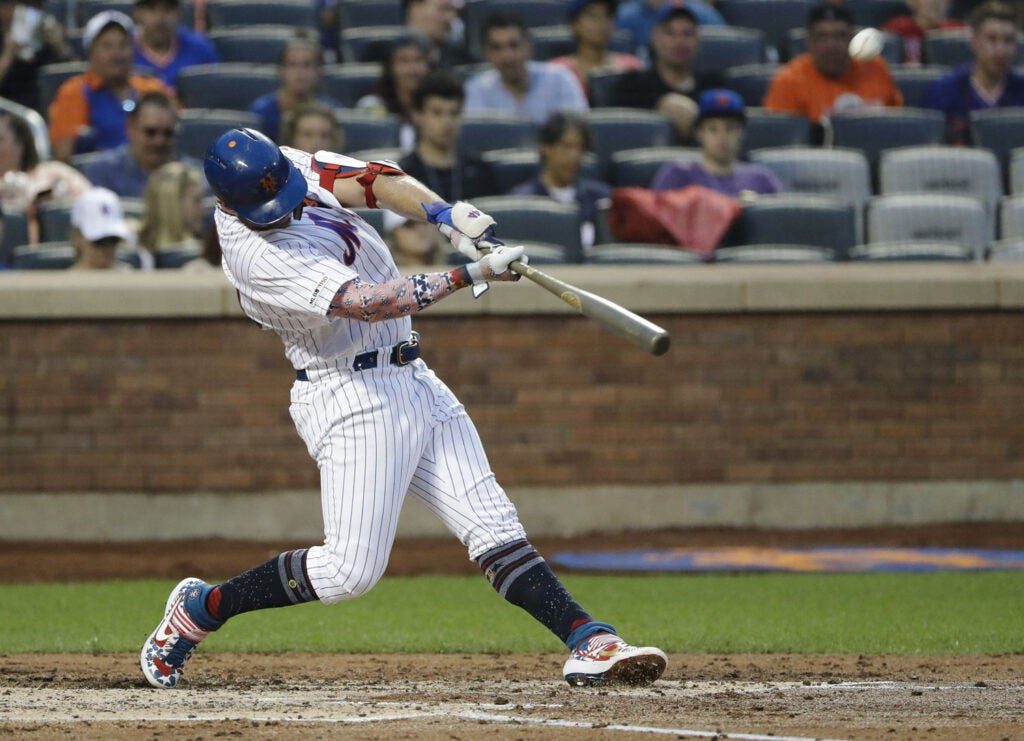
x: 378, y: 302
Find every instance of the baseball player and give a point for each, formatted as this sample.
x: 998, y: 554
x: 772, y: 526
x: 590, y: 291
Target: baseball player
x: 374, y: 417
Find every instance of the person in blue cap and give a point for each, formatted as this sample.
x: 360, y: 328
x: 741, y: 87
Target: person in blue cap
x: 719, y: 130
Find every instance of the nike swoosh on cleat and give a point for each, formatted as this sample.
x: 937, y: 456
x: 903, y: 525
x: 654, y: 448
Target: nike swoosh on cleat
x: 167, y: 634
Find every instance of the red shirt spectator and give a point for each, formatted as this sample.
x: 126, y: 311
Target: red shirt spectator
x: 926, y: 15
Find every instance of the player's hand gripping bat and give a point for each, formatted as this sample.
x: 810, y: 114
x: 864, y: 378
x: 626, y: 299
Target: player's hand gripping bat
x: 614, y: 318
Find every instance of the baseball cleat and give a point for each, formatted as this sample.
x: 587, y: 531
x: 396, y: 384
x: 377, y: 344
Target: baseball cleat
x: 607, y: 659
x: 173, y: 641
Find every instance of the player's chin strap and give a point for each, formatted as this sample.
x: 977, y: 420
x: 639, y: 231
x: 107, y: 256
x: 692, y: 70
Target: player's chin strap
x: 330, y: 167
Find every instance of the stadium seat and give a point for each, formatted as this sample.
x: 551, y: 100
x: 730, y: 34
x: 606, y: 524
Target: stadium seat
x: 293, y: 13
x: 952, y: 47
x: 368, y: 130
x: 44, y: 256
x: 751, y: 81
x: 508, y: 168
x: 938, y: 169
x: 722, y: 47
x: 636, y: 168
x: 349, y: 82
x: 486, y: 131
x: 999, y: 129
x: 52, y: 76
x: 626, y: 253
x: 817, y: 221
x: 175, y: 257
x: 774, y: 18
x: 930, y: 218
x: 81, y: 161
x: 1011, y: 218
x: 251, y: 44
x: 535, y: 219
x: 374, y: 217
x: 892, y: 50
x: 361, y: 13
x: 1006, y: 250
x: 772, y: 129
x: 226, y: 86
x: 54, y: 221
x: 873, y: 130
x: 875, y: 12
x: 86, y: 9
x: 1017, y: 171
x: 15, y: 232
x: 602, y: 87
x: 617, y: 129
x: 198, y: 127
x: 839, y: 173
x: 368, y: 43
x: 774, y: 253
x: 555, y: 41
x: 535, y: 14
x: 130, y: 257
x: 914, y: 81
x: 911, y: 252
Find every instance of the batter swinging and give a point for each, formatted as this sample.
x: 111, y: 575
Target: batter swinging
x: 374, y: 417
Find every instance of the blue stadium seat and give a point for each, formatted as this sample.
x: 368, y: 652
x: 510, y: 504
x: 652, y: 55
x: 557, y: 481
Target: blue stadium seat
x: 485, y: 132
x: 86, y: 9
x: 535, y: 219
x: 251, y: 44
x: 914, y: 81
x: 54, y: 222
x: 775, y: 18
x: 555, y: 41
x: 875, y: 12
x: 349, y: 82
x: 366, y: 130
x: 508, y: 168
x: 171, y: 258
x: 51, y: 77
x: 952, y: 47
x: 911, y: 252
x: 44, y: 256
x: 603, y: 86
x: 722, y: 47
x: 892, y: 51
x: 15, y: 232
x: 959, y: 220
x: 817, y: 221
x: 535, y: 14
x: 226, y: 86
x: 1006, y: 250
x: 628, y: 253
x: 618, y: 129
x: 772, y: 129
x: 368, y: 43
x: 198, y: 127
x: 774, y: 253
x: 1000, y: 130
x: 843, y: 174
x: 751, y: 81
x: 360, y: 13
x: 873, y: 130
x: 636, y: 168
x: 293, y: 13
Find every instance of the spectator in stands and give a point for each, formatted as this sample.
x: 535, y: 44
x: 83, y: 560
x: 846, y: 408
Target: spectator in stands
x: 593, y: 25
x: 403, y: 71
x: 152, y: 133
x: 312, y: 127
x: 300, y: 71
x: 89, y: 112
x: 434, y: 20
x: 564, y: 139
x: 514, y: 84
x: 174, y: 214
x: 24, y: 180
x: 639, y: 17
x: 436, y: 161
x: 719, y: 129
x: 826, y: 79
x: 29, y: 38
x: 924, y: 16
x: 671, y: 84
x: 98, y: 230
x: 163, y: 46
x: 989, y: 81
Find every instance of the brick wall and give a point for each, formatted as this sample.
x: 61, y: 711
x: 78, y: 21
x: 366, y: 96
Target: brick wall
x: 185, y: 405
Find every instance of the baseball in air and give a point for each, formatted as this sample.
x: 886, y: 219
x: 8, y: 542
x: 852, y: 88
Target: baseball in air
x: 867, y: 44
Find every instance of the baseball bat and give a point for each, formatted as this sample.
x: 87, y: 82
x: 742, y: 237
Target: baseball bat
x: 617, y: 320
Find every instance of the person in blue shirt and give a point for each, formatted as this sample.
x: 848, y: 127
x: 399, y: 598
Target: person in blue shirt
x: 989, y: 81
x: 300, y: 72
x: 163, y: 46
x: 640, y: 16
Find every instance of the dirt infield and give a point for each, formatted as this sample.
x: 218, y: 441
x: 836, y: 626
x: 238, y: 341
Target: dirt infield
x: 514, y: 696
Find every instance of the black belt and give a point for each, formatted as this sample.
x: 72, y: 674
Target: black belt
x: 401, y: 354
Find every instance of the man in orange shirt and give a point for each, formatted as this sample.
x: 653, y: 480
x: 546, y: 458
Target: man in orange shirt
x: 90, y: 110
x: 826, y: 79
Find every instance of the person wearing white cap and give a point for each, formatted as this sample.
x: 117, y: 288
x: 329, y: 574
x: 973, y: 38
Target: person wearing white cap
x: 98, y: 230
x: 88, y: 113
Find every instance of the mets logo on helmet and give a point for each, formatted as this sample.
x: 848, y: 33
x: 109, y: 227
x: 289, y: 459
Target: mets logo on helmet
x: 269, y: 183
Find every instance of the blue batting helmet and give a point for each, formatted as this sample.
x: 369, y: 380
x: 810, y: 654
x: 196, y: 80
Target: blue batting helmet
x: 251, y: 176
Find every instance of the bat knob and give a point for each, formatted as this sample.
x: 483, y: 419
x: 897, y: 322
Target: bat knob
x: 661, y: 344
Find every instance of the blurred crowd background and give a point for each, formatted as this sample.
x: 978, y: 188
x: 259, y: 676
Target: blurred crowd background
x: 592, y: 130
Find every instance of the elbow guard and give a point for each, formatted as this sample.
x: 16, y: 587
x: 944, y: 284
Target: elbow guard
x: 330, y: 167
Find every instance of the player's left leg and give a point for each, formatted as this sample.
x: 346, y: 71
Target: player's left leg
x: 455, y: 481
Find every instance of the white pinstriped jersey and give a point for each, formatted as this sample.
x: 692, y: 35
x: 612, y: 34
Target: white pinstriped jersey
x: 286, y: 278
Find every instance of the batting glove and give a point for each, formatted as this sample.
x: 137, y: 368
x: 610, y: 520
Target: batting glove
x: 494, y: 265
x: 462, y: 223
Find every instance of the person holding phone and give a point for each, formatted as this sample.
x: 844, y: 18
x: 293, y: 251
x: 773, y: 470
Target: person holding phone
x: 29, y: 38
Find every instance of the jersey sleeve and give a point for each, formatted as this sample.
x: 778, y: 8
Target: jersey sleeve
x: 298, y: 279
x: 69, y: 110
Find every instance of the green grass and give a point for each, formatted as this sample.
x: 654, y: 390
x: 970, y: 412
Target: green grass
x: 946, y: 613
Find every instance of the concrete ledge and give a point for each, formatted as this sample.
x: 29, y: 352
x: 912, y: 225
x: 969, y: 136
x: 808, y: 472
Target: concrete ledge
x: 288, y: 515
x: 646, y: 289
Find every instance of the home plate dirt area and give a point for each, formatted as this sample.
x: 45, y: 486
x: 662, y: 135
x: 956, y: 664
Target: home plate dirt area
x: 512, y: 696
